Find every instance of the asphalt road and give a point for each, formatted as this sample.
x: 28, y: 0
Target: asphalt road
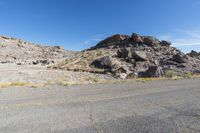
x: 132, y: 107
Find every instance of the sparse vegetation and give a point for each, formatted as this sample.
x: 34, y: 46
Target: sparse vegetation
x: 171, y: 74
x: 187, y: 75
x: 4, y: 85
x: 19, y: 84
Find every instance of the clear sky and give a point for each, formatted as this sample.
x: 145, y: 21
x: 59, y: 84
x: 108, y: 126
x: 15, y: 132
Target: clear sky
x: 79, y: 24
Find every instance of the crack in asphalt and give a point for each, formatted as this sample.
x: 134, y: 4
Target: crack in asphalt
x: 93, y: 123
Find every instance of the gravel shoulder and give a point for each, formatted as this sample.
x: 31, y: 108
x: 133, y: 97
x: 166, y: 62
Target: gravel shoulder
x: 155, y: 106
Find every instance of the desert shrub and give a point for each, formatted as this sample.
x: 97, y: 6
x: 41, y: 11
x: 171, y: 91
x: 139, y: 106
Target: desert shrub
x: 171, y: 74
x: 187, y: 75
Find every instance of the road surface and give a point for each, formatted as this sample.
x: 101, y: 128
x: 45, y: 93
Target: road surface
x: 165, y: 106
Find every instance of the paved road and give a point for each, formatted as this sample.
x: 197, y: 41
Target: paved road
x: 155, y: 107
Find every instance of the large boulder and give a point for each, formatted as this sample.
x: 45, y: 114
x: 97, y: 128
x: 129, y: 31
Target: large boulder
x: 170, y: 62
x: 136, y: 38
x: 151, y: 41
x: 42, y: 62
x: 166, y: 43
x: 154, y: 71
x: 106, y: 62
x: 130, y: 53
x: 123, y: 72
x: 193, y: 54
x: 139, y: 55
x: 124, y: 53
x: 180, y: 58
x: 113, y: 40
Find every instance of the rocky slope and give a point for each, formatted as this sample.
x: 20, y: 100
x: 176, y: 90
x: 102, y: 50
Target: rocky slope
x: 133, y: 56
x: 14, y: 50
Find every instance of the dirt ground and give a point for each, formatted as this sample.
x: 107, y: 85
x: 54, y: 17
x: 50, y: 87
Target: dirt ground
x: 11, y: 73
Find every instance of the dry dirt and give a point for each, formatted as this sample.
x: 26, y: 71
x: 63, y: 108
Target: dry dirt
x: 39, y: 75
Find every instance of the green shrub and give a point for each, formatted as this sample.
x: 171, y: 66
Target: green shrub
x: 171, y: 74
x: 187, y: 75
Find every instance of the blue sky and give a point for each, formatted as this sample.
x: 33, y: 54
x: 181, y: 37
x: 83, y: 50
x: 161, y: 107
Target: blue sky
x: 79, y: 24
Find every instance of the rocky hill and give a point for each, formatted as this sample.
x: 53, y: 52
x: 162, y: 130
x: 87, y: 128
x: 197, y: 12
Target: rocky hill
x: 134, y: 56
x: 14, y: 50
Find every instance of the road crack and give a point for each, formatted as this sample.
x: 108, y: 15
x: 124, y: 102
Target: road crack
x: 93, y: 123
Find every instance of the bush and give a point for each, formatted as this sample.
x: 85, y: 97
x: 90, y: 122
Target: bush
x: 187, y: 75
x: 171, y: 74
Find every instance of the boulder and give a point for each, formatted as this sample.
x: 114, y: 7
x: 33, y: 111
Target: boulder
x: 124, y: 53
x: 4, y: 62
x: 122, y: 72
x: 154, y: 71
x: 19, y: 63
x: 180, y: 58
x: 129, y: 53
x: 170, y: 62
x: 118, y: 37
x: 132, y: 61
x: 193, y: 54
x: 122, y: 75
x: 44, y: 62
x: 166, y: 43
x: 139, y: 55
x: 123, y: 69
x: 151, y: 41
x: 59, y: 47
x: 106, y: 62
x: 136, y: 38
x: 113, y: 40
x: 35, y: 62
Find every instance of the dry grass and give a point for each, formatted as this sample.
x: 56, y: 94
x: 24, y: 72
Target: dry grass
x: 196, y: 76
x: 90, y: 80
x: 15, y: 84
x: 60, y: 82
x: 81, y: 62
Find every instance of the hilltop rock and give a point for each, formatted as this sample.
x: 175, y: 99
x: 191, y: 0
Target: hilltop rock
x: 166, y: 43
x: 194, y: 54
x: 151, y: 41
x: 112, y: 41
x: 136, y: 38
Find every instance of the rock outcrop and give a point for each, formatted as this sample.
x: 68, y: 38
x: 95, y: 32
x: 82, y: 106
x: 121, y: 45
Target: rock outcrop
x: 137, y: 56
x: 194, y: 54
